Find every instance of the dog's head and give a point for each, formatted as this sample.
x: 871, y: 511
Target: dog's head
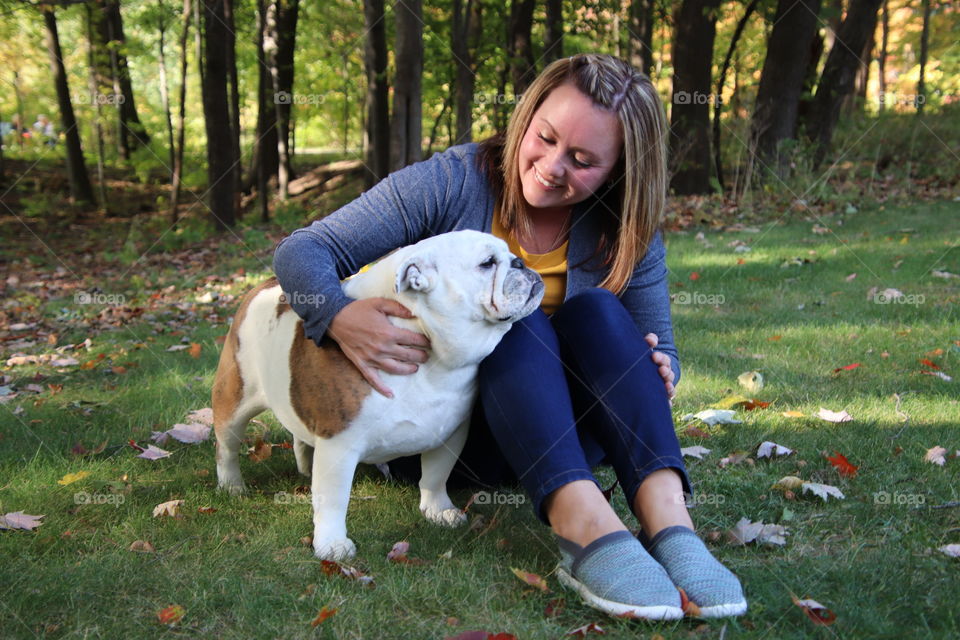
x: 466, y: 288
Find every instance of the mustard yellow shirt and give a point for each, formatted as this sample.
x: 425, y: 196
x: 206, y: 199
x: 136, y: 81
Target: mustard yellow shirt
x: 552, y: 267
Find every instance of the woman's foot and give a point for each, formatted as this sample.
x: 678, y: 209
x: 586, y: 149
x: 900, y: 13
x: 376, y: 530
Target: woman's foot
x: 691, y: 566
x: 617, y: 576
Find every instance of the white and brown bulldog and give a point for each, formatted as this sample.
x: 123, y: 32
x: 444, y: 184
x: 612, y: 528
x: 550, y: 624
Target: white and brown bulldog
x: 465, y: 290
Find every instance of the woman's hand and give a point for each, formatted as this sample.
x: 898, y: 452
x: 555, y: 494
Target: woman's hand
x: 662, y: 360
x: 371, y: 342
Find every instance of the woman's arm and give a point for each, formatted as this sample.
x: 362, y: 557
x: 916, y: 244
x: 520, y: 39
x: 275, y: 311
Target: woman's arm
x: 647, y: 298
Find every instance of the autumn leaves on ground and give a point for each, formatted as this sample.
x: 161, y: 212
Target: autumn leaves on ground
x: 818, y: 409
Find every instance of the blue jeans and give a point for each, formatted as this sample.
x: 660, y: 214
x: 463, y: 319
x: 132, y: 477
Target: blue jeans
x: 562, y: 394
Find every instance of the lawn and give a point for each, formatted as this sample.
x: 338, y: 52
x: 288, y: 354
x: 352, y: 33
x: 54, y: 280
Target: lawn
x: 788, y: 297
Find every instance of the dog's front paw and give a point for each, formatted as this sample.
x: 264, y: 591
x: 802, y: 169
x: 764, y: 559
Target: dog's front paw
x: 446, y: 517
x: 336, y: 550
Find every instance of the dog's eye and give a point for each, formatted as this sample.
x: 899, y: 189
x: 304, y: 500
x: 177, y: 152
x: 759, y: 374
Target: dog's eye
x: 489, y: 263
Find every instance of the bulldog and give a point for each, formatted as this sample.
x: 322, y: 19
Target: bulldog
x: 465, y: 290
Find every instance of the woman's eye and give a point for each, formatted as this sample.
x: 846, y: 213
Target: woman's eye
x: 489, y: 263
x: 581, y: 164
x: 545, y: 138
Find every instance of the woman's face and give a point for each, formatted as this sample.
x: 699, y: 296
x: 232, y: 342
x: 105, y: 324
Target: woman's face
x: 569, y: 149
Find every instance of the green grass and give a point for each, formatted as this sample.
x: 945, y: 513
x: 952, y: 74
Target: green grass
x: 242, y: 571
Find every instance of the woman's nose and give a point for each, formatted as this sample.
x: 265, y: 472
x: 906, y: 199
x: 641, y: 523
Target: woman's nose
x: 554, y: 165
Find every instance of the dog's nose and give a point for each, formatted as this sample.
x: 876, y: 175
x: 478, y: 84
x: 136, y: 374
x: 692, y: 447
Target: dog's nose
x: 516, y: 263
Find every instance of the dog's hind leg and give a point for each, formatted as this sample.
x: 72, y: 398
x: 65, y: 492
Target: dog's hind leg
x: 303, y: 452
x: 436, y: 466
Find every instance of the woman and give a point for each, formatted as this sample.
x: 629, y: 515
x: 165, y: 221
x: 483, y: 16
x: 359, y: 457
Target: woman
x: 576, y: 186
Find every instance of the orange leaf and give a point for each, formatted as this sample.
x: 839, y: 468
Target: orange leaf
x: 582, y: 632
x: 847, y: 368
x: 842, y: 465
x: 928, y: 363
x: 195, y: 348
x: 171, y: 614
x: 695, y: 276
x: 260, y: 451
x: 689, y: 607
x: 695, y: 432
x: 119, y: 370
x: 818, y: 613
x: 775, y: 338
x: 755, y: 404
x: 531, y: 579
x: 935, y: 353
x: 325, y: 613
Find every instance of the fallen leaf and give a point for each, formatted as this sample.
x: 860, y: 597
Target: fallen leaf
x: 792, y: 414
x: 952, y: 550
x: 169, y: 508
x: 171, y: 615
x: 823, y: 490
x: 582, y: 632
x: 64, y: 362
x: 695, y: 452
x: 928, y: 363
x: 788, y: 482
x: 332, y: 568
x: 769, y: 449
x: 695, y: 276
x: 731, y: 401
x: 734, y: 458
x: 73, y: 477
x: 531, y: 579
x: 204, y: 416
x: 554, y: 608
x: 745, y: 532
x: 195, y: 348
x: 188, y: 433
x: 834, y: 416
x: 842, y: 465
x: 939, y: 374
x: 818, y: 613
x: 850, y: 277
x: 848, y: 367
x: 325, y: 613
x: 695, y: 432
x: 717, y: 416
x: 752, y: 381
x: 153, y: 453
x: 688, y: 606
x: 20, y: 520
x: 260, y: 451
x: 177, y: 347
x: 936, y: 455
x: 943, y: 274
x: 141, y: 546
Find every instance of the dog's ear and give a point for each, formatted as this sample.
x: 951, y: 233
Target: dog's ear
x: 416, y: 272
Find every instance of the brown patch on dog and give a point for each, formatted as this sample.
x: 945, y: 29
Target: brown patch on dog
x: 228, y: 383
x: 326, y: 389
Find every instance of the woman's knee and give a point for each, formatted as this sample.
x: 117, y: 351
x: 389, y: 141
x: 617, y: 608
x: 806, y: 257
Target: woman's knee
x: 527, y: 339
x: 595, y: 309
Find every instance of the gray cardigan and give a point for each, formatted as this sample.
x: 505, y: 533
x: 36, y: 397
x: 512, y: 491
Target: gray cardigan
x: 448, y: 192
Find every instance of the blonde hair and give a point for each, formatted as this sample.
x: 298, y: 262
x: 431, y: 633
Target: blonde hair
x: 631, y: 205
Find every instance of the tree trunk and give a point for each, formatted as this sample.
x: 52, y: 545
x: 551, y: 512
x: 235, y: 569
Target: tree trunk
x: 92, y: 81
x: 836, y: 81
x: 461, y: 43
x: 924, y: 47
x: 882, y: 57
x: 279, y: 39
x: 553, y: 40
x: 265, y: 154
x: 221, y: 183
x: 377, y: 130
x: 781, y: 82
x: 718, y: 103
x: 131, y: 132
x: 640, y: 35
x: 406, y: 124
x: 519, y: 46
x: 233, y: 101
x: 181, y: 115
x: 164, y: 88
x: 80, y: 189
x: 694, y: 32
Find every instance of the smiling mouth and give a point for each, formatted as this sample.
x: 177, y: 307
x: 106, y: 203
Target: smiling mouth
x: 544, y: 181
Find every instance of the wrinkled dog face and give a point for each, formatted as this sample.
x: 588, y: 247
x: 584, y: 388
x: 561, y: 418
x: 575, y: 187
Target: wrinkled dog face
x: 474, y: 276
